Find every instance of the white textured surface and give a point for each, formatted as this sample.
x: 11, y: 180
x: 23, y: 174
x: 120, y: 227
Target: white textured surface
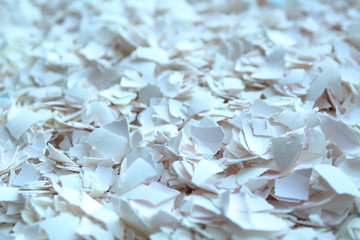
x: 179, y: 119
